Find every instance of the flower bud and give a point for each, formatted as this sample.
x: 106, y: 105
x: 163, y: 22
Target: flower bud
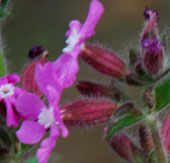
x: 150, y: 31
x: 104, y: 61
x: 35, y: 51
x: 166, y: 133
x: 146, y: 140
x: 125, y: 147
x: 87, y: 112
x: 27, y: 80
x: 153, y: 57
x: 93, y: 89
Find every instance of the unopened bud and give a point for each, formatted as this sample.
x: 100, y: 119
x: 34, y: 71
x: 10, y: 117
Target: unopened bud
x: 35, y: 51
x: 150, y: 31
x: 87, y: 112
x: 124, y: 147
x: 153, y: 58
x: 27, y: 80
x: 104, y: 61
x: 146, y: 140
x: 166, y: 133
x: 93, y: 89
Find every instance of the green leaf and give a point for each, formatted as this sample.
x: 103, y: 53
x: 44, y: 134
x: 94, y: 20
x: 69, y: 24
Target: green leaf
x: 161, y: 93
x: 123, y: 122
x: 152, y: 157
x: 4, y: 3
x: 32, y: 160
x: 3, y: 10
x: 2, y: 65
x: 3, y: 13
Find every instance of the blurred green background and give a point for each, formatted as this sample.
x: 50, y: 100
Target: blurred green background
x: 44, y: 22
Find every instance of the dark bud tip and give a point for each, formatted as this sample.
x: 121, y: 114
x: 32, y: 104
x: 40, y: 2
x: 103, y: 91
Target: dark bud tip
x: 35, y: 51
x: 149, y: 12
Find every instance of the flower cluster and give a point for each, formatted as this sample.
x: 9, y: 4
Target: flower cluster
x: 49, y: 79
x: 35, y: 110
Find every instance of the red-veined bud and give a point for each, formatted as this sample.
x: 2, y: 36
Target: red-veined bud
x: 153, y: 57
x: 125, y: 147
x: 87, y: 112
x: 104, y: 61
x: 27, y: 80
x: 166, y: 133
x: 98, y: 90
x: 146, y: 140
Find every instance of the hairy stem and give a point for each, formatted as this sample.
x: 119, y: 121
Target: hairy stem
x: 153, y: 124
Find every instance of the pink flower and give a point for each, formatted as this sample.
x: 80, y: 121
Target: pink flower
x: 78, y: 33
x: 52, y: 78
x: 40, y: 118
x: 8, y: 95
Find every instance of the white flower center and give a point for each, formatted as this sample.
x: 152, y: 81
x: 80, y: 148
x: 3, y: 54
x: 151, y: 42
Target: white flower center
x: 6, y: 90
x: 46, y: 117
x: 71, y: 41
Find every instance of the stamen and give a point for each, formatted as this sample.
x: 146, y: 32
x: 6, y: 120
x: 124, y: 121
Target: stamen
x: 46, y: 117
x: 6, y: 90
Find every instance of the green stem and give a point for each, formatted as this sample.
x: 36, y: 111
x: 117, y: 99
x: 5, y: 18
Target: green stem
x: 159, y: 150
x: 3, y: 68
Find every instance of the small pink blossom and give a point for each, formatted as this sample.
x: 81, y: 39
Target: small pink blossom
x: 40, y: 118
x: 8, y: 95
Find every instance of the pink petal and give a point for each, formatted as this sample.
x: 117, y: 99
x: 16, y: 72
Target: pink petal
x: 46, y: 79
x: 30, y: 132
x: 66, y: 68
x: 17, y: 91
x: 3, y: 80
x: 60, y: 126
x: 73, y: 25
x: 95, y: 12
x: 29, y: 105
x: 13, y: 78
x: 12, y: 118
x: 44, y: 151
